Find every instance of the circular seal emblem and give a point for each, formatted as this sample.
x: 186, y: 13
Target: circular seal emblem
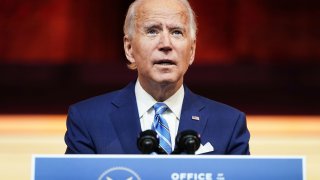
x: 119, y: 173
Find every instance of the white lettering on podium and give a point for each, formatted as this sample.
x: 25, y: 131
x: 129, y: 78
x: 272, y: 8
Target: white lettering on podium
x: 220, y: 176
x: 191, y: 176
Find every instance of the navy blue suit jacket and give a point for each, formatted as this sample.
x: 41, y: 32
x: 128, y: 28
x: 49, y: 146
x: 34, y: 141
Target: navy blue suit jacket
x: 109, y: 124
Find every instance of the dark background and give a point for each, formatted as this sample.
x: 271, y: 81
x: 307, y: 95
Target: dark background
x: 261, y: 56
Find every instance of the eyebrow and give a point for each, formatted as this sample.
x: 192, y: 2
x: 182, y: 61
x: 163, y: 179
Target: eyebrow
x: 177, y: 28
x: 152, y: 26
x: 159, y: 26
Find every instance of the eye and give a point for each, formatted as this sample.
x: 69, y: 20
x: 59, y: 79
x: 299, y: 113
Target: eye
x: 152, y: 32
x: 177, y: 33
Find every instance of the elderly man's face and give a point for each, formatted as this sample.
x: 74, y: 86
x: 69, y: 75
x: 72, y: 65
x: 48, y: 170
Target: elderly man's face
x: 161, y: 46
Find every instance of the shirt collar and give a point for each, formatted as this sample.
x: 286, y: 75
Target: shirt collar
x: 145, y: 101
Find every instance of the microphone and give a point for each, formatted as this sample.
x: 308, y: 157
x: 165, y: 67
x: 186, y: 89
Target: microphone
x: 148, y: 142
x: 187, y: 142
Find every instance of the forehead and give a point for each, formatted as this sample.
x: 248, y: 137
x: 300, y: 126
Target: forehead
x: 156, y: 10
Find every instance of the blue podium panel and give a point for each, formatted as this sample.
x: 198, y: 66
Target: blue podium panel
x: 174, y: 167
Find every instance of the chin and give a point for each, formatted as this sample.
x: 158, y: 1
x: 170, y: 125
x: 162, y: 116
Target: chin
x: 167, y: 81
x: 166, y: 78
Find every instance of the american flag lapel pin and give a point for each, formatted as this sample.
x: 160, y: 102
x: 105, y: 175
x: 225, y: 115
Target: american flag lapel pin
x: 196, y: 118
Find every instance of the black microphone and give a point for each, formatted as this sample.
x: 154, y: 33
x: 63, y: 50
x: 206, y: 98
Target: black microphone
x: 187, y: 142
x: 148, y: 142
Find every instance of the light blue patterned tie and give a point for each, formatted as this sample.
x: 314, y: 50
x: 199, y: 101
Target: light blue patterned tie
x: 160, y: 125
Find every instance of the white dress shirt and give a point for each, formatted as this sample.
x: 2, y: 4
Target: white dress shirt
x: 145, y: 104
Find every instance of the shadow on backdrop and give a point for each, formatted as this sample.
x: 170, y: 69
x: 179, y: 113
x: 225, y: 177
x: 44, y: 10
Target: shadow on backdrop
x: 261, y: 56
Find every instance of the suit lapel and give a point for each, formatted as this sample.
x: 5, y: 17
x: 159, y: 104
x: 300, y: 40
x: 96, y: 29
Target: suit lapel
x: 126, y: 122
x: 192, y: 117
x: 126, y: 119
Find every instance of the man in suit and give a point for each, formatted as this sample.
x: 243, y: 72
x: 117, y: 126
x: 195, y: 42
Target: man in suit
x: 160, y: 43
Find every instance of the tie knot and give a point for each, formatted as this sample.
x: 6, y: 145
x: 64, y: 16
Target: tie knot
x: 160, y: 107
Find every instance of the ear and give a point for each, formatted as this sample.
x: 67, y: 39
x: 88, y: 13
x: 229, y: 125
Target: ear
x: 128, y: 49
x: 192, y: 51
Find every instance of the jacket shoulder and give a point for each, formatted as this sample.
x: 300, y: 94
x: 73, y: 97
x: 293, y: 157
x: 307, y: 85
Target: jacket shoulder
x: 219, y: 108
x: 95, y: 104
x: 104, y: 101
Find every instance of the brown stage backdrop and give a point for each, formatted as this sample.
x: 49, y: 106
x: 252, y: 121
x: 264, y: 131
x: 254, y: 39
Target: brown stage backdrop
x: 230, y: 31
x: 262, y: 56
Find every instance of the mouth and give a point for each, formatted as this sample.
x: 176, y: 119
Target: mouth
x: 164, y: 62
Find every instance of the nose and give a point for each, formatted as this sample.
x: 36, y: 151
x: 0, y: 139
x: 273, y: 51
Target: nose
x: 165, y: 44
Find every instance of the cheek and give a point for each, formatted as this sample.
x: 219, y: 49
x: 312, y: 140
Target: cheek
x: 185, y: 52
x: 145, y: 47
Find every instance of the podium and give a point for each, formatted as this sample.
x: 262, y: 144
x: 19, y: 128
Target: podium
x: 174, y: 167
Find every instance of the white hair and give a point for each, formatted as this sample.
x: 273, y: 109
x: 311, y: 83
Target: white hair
x: 129, y: 23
